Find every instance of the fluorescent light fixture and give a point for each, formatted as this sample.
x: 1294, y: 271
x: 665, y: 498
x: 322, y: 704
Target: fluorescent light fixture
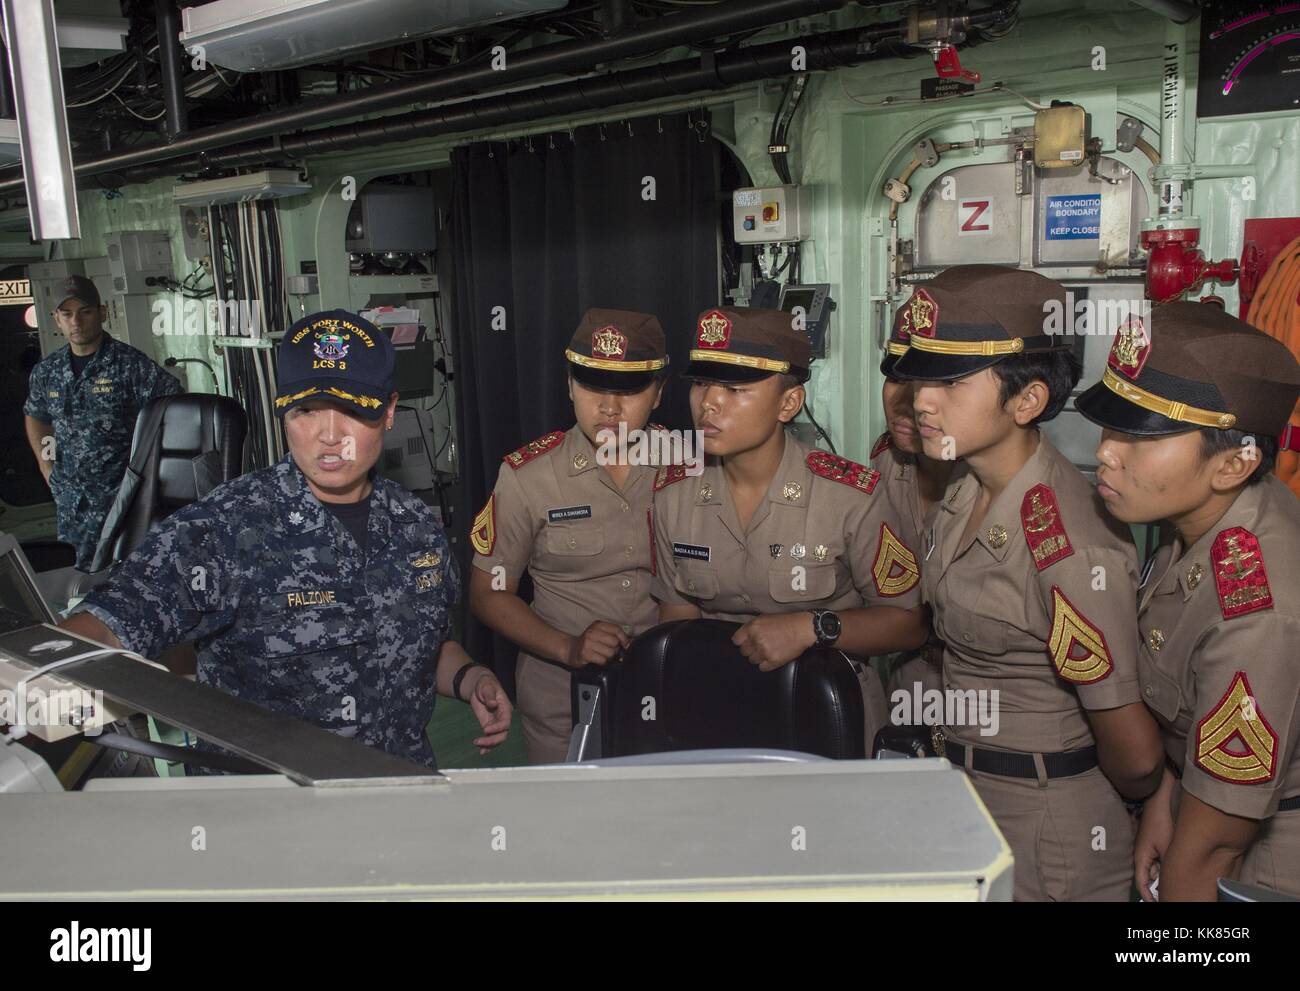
x: 254, y: 35
x: 269, y: 184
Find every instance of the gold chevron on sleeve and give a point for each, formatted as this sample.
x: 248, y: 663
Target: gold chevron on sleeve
x: 895, y: 570
x: 1237, y: 717
x: 483, y: 531
x: 1071, y: 632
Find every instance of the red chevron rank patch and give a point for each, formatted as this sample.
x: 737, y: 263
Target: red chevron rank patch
x: 483, y: 531
x: 895, y: 570
x: 1077, y: 648
x: 1237, y: 722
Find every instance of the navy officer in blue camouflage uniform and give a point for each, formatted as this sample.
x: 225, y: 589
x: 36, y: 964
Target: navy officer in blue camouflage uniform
x: 86, y: 396
x: 316, y: 587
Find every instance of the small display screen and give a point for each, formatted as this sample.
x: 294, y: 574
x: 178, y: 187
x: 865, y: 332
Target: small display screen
x: 799, y: 297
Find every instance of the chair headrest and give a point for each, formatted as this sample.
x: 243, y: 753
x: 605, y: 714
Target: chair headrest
x: 686, y: 686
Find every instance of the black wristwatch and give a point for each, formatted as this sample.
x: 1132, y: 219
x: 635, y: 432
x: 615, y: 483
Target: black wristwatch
x: 826, y: 626
x: 465, y: 669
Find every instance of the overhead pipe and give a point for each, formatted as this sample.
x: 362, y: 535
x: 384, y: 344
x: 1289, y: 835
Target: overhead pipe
x: 721, y: 70
x: 560, y: 58
x: 169, y: 57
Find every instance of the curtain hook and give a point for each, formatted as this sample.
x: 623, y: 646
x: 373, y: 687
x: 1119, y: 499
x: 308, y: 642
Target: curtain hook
x: 550, y: 141
x: 629, y: 128
x: 602, y: 132
x: 660, y: 122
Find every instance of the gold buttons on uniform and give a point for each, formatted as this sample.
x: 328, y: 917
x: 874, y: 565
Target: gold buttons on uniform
x: 745, y: 598
x: 797, y: 551
x: 791, y: 491
x: 627, y: 582
x: 572, y: 542
x: 1147, y: 691
x: 1155, y: 639
x: 967, y: 637
x: 580, y: 461
x: 997, y: 535
x: 690, y: 586
x: 706, y: 492
x: 627, y: 549
x: 820, y: 552
x: 626, y: 507
x: 1195, y: 575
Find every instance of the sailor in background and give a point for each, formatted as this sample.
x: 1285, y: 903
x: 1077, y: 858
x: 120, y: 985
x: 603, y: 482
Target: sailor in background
x: 1032, y: 586
x: 578, y: 523
x: 316, y: 587
x: 86, y: 396
x: 913, y: 484
x: 1193, y: 405
x: 795, y: 544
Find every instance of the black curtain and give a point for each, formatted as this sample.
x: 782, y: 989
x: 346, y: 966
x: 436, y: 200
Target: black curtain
x: 543, y: 228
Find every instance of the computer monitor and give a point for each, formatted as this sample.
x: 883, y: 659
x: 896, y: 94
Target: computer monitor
x: 21, y: 603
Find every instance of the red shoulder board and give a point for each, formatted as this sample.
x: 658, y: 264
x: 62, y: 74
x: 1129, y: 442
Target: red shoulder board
x: 883, y: 443
x: 1239, y: 573
x: 843, y: 470
x: 667, y: 474
x: 532, y: 449
x: 1040, y: 518
x: 655, y: 426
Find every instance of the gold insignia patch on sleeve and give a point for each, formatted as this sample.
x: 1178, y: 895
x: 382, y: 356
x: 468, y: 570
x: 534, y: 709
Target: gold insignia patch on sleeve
x: 1237, y: 718
x: 1070, y: 631
x: 483, y: 532
x: 895, y: 570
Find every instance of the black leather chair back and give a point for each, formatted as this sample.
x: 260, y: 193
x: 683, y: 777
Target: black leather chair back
x: 199, y: 445
x: 685, y: 686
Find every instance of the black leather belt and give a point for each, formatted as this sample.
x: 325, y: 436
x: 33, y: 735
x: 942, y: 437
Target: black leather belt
x: 1013, y: 765
x: 1289, y: 804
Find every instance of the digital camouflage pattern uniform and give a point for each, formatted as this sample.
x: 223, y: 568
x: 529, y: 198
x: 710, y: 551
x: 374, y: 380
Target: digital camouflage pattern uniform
x: 93, y: 415
x: 285, y: 610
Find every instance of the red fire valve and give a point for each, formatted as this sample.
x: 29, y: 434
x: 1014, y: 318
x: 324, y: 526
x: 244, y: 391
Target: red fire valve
x: 1252, y: 270
x: 948, y: 65
x: 1175, y: 265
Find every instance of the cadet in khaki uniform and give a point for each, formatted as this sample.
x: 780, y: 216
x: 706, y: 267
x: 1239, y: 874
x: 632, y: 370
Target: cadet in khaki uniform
x: 912, y: 484
x: 794, y: 543
x: 579, y: 522
x: 1032, y: 587
x: 1193, y: 405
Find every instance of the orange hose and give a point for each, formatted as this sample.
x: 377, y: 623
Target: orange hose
x: 1276, y: 311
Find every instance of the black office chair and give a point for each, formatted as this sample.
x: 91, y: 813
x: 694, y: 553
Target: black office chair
x: 685, y: 686
x: 184, y: 447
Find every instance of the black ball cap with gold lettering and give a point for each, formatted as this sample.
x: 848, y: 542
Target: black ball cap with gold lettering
x: 617, y: 350
x: 339, y: 357
x: 970, y: 317
x: 745, y: 344
x: 1191, y: 365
